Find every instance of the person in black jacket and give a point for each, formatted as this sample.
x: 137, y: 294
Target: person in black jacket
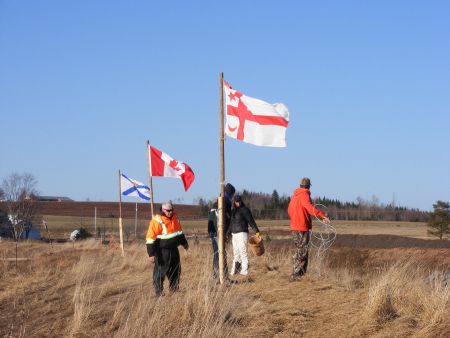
x: 241, y: 217
x: 212, y: 228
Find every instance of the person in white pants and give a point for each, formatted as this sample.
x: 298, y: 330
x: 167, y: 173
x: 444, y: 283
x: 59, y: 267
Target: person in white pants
x: 240, y: 255
x: 241, y: 217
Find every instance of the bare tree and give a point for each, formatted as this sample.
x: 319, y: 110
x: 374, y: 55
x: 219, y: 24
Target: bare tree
x: 18, y: 192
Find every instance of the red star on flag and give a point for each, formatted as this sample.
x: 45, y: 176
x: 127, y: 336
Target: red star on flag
x: 232, y: 96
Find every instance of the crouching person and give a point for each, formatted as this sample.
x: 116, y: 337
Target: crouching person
x: 164, y: 235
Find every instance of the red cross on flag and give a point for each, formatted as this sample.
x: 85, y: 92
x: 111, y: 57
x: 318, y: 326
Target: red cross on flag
x: 162, y: 164
x: 255, y: 121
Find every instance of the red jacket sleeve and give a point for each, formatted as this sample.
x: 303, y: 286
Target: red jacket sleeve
x: 307, y: 204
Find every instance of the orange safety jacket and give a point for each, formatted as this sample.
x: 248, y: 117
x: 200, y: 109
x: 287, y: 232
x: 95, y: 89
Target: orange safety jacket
x: 164, y: 232
x: 300, y: 210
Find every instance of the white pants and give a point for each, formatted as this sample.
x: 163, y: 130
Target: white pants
x: 240, y: 255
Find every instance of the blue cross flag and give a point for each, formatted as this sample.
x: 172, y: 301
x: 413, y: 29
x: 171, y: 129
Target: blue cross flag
x: 130, y: 187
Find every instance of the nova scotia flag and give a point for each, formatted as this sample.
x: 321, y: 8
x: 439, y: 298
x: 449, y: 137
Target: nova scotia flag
x: 130, y: 187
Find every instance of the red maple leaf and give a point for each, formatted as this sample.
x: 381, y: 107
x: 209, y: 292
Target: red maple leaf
x: 174, y: 165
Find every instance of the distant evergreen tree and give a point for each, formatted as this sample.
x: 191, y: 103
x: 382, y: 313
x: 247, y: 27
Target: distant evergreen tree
x: 204, y: 206
x: 275, y: 199
x: 274, y: 206
x: 439, y: 219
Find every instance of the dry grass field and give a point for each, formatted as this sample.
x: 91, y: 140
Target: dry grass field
x: 86, y: 289
x: 63, y: 225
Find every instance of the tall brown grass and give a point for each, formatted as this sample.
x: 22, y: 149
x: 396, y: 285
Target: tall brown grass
x: 87, y: 290
x: 406, y: 291
x: 201, y: 308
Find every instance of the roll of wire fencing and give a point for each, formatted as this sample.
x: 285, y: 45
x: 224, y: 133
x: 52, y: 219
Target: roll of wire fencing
x: 321, y: 239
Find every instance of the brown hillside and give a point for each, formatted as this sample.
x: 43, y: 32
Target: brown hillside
x: 108, y: 209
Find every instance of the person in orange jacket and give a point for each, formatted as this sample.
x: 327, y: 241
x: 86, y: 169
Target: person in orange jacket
x: 164, y: 235
x: 300, y: 210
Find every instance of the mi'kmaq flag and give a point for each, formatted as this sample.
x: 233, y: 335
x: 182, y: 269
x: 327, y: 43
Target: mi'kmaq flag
x: 162, y: 164
x: 131, y: 187
x: 255, y: 121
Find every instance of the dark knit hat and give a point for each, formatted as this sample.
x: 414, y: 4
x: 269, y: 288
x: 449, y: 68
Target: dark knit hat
x: 237, y: 198
x: 229, y: 189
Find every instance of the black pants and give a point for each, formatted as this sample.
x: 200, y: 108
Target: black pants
x: 300, y: 258
x: 167, y: 263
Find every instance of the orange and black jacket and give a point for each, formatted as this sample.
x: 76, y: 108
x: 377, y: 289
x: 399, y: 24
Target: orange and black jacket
x: 164, y: 233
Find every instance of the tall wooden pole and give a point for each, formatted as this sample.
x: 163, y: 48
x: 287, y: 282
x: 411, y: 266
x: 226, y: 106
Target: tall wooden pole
x: 120, y: 215
x: 149, y: 158
x: 221, y: 200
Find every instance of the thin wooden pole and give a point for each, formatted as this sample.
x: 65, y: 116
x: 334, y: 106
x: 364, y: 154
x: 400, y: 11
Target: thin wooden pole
x: 135, y: 222
x: 48, y: 233
x: 17, y: 243
x: 120, y: 215
x: 221, y: 203
x: 95, y: 222
x: 149, y: 158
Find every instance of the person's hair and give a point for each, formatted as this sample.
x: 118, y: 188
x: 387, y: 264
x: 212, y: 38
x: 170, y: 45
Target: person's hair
x: 305, y: 182
x: 166, y: 205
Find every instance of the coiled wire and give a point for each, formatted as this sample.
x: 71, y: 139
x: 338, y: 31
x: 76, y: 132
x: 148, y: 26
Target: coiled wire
x: 323, y: 237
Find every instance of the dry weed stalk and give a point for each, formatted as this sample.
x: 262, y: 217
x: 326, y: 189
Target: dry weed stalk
x: 85, y: 274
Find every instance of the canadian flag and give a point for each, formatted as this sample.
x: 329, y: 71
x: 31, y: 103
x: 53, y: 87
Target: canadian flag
x: 162, y: 164
x: 255, y: 121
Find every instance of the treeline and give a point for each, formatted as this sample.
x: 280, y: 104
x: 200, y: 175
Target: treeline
x: 363, y: 210
x: 274, y: 206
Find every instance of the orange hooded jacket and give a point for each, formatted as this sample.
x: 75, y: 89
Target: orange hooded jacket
x: 300, y: 210
x: 164, y: 232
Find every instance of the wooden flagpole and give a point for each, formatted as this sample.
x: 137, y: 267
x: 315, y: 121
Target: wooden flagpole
x: 221, y: 204
x: 48, y: 233
x: 95, y: 222
x: 120, y: 214
x: 135, y: 222
x: 149, y: 158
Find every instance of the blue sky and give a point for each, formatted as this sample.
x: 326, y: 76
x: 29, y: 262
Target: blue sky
x: 84, y: 84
